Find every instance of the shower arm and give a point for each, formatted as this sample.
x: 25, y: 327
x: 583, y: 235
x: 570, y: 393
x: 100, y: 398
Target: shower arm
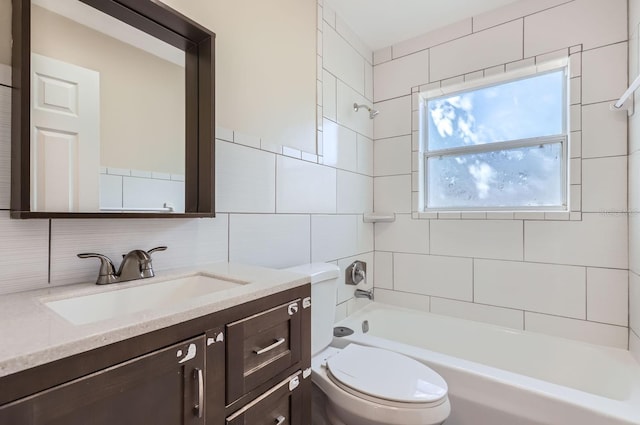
x: 372, y: 112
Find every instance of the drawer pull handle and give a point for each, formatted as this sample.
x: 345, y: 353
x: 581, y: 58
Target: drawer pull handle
x: 200, y: 406
x: 280, y: 420
x: 276, y: 343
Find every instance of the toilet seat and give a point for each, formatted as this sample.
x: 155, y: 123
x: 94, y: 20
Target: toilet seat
x: 386, y: 377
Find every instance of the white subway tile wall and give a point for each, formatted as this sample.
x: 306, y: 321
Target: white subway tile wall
x: 303, y: 187
x: 357, y: 121
x: 392, y: 194
x: 599, y: 240
x: 507, y: 317
x: 559, y: 273
x: 479, y: 268
x: 403, y: 235
x: 592, y: 23
x: 500, y: 239
x: 270, y: 240
x: 604, y: 182
x: 484, y: 49
x: 394, y: 119
x: 365, y: 155
x: 599, y: 123
x: 511, y: 12
x: 447, y: 277
x: 592, y: 332
x: 392, y: 156
x: 355, y: 193
x: 607, y: 296
x: 190, y: 242
x: 383, y: 270
x: 339, y: 146
x: 403, y: 299
x: 333, y: 236
x: 433, y: 38
x: 245, y: 179
x: 341, y: 59
x: 24, y: 256
x: 395, y: 78
x: 604, y: 73
x: 544, y: 288
x: 634, y: 189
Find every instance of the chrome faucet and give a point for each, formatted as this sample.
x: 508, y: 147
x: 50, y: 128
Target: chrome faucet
x: 361, y: 293
x: 137, y: 264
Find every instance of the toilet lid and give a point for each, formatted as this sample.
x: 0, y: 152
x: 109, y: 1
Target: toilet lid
x: 386, y: 375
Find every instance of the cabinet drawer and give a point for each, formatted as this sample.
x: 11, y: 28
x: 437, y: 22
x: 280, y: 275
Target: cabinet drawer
x: 261, y: 346
x: 280, y: 405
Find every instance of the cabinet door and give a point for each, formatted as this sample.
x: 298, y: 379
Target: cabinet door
x: 163, y: 387
x: 261, y: 346
x: 281, y: 405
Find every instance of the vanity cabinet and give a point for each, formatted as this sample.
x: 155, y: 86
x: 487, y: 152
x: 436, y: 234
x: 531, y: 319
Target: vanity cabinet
x: 161, y: 388
x: 260, y: 346
x: 282, y: 405
x: 247, y: 365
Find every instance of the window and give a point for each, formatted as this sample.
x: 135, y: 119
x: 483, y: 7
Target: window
x: 497, y: 147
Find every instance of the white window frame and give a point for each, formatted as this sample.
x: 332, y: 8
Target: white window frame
x: 563, y: 139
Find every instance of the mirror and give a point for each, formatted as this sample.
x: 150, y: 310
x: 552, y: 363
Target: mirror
x: 115, y: 111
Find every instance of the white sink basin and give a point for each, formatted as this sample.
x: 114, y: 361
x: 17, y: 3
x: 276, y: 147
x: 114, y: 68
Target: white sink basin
x: 119, y: 302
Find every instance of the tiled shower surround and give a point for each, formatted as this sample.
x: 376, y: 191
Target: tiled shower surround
x: 634, y: 187
x: 564, y: 274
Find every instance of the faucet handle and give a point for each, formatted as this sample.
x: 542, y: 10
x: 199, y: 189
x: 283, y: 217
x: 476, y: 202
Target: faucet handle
x: 146, y: 268
x: 156, y: 249
x: 107, y: 273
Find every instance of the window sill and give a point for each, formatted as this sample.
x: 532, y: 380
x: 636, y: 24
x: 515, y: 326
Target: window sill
x: 493, y: 215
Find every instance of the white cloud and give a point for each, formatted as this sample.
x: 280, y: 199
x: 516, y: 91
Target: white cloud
x: 484, y: 175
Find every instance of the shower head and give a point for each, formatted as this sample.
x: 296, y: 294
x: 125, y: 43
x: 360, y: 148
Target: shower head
x: 372, y: 112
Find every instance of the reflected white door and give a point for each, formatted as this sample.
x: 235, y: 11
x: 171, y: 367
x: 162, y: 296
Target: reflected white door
x: 65, y: 138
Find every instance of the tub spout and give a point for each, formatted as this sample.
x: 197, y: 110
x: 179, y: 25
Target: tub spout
x: 361, y: 293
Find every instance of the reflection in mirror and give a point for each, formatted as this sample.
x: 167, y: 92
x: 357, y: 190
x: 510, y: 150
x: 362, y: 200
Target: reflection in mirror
x: 107, y: 114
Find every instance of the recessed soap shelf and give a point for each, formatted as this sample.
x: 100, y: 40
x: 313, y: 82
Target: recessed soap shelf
x: 379, y: 217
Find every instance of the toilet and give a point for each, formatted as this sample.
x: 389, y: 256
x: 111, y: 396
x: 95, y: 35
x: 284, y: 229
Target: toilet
x: 366, y: 385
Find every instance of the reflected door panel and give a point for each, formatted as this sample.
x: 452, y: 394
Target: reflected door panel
x: 65, y: 145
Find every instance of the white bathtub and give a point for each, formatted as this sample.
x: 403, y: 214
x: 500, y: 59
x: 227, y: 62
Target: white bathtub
x: 501, y: 376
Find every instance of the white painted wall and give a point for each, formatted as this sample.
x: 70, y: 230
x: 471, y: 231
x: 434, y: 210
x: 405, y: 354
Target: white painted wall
x: 265, y: 66
x: 564, y: 274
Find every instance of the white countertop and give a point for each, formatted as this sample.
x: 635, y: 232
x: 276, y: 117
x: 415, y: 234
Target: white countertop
x: 31, y: 334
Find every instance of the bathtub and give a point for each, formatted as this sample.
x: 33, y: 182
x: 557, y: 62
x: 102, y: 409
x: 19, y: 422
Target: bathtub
x: 501, y: 376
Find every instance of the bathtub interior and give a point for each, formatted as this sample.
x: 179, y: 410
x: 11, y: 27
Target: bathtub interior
x: 602, y: 371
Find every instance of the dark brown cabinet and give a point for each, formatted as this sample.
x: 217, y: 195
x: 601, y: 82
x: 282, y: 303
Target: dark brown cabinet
x: 245, y: 365
x: 281, y: 405
x: 260, y: 346
x: 163, y: 387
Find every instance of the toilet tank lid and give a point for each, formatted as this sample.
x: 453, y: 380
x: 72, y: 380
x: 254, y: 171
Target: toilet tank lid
x: 319, y: 272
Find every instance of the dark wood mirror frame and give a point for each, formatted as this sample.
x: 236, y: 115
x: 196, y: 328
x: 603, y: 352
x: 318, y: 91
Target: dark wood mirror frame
x: 166, y: 24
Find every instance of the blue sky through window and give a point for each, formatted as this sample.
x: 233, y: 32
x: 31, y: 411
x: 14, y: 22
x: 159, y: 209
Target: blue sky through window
x: 506, y: 176
x: 521, y: 109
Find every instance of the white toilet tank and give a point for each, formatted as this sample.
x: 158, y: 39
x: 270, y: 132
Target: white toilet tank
x: 324, y: 281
